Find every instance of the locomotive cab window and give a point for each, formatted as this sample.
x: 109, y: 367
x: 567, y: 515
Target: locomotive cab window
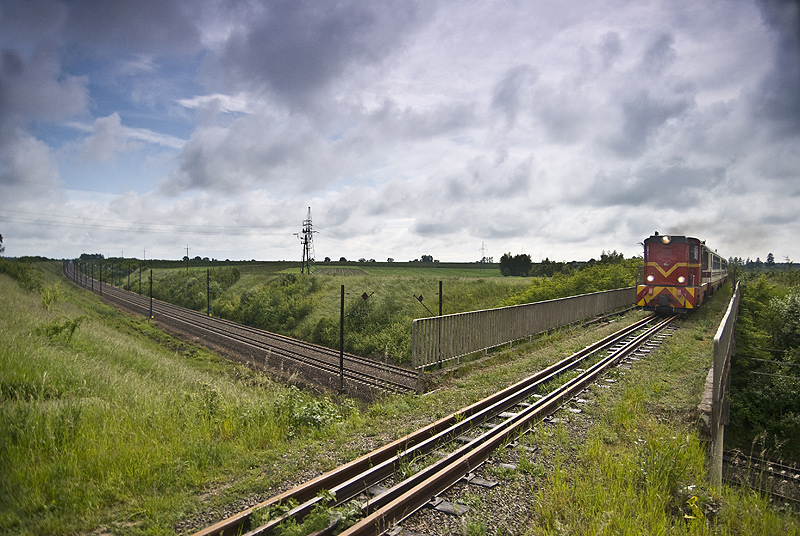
x: 694, y: 253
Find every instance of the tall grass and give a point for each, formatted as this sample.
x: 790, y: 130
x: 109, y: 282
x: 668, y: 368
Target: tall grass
x: 642, y: 469
x: 104, y: 421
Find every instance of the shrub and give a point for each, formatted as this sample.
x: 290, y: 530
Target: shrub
x: 52, y: 294
x: 61, y: 329
x: 29, y: 277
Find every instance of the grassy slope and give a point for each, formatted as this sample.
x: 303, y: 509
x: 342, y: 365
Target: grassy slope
x: 124, y: 428
x: 392, y: 305
x: 115, y: 427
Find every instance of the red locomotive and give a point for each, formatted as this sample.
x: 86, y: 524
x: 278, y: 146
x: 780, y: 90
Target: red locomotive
x: 679, y: 273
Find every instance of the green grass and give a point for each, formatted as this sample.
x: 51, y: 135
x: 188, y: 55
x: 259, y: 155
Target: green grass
x: 121, y: 429
x: 309, y: 307
x: 642, y: 469
x: 110, y: 427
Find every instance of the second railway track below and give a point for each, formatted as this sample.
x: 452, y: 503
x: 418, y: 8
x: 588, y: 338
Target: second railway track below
x: 315, y: 365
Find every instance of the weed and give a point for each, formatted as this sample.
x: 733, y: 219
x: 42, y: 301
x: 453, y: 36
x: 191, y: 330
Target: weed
x: 260, y: 516
x: 526, y: 465
x: 52, y: 295
x: 501, y: 472
x: 62, y: 329
x: 320, y: 517
x: 471, y: 526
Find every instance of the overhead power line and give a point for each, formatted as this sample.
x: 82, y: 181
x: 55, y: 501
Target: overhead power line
x: 79, y: 222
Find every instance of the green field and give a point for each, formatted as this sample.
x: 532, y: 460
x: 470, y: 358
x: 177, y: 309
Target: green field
x: 108, y: 426
x: 278, y: 298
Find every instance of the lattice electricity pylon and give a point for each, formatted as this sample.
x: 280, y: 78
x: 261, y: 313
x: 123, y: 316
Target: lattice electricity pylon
x: 307, y: 239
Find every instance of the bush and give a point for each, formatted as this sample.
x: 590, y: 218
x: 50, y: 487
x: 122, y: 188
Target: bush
x: 279, y: 308
x: 595, y: 278
x: 61, y: 329
x: 52, y: 294
x: 29, y: 277
x: 192, y: 289
x: 765, y: 391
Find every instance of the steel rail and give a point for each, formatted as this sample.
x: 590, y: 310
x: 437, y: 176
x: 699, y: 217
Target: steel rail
x: 241, y: 337
x: 356, y: 476
x: 294, y: 343
x: 265, y: 341
x: 267, y: 335
x: 408, y: 498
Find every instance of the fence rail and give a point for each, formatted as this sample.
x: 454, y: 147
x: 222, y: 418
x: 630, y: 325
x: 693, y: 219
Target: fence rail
x: 724, y: 346
x: 442, y: 338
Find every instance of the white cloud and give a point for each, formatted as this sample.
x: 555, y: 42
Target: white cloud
x: 419, y: 128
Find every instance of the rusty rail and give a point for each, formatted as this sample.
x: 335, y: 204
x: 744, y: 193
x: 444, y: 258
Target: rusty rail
x: 355, y: 477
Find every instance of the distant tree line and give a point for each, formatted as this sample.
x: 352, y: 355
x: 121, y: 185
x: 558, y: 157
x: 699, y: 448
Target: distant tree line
x: 770, y: 263
x: 522, y: 266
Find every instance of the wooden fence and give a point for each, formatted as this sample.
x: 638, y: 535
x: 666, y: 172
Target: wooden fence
x: 442, y: 338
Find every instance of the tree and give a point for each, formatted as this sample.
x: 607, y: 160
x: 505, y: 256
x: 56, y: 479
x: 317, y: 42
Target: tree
x: 518, y: 265
x: 2, y: 247
x: 770, y: 259
x: 612, y: 257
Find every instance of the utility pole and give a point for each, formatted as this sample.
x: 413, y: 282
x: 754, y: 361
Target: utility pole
x: 187, y: 257
x: 306, y: 237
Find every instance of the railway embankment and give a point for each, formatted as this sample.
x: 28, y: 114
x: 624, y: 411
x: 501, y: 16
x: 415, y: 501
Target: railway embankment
x: 117, y: 428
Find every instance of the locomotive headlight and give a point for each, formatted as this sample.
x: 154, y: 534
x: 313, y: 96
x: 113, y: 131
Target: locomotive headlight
x: 665, y: 239
x: 681, y: 279
x: 650, y: 278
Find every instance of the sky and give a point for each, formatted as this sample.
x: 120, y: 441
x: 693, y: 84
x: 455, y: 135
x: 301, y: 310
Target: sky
x: 459, y: 129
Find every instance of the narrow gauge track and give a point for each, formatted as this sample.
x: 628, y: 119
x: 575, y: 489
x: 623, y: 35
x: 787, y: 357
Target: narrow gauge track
x: 508, y: 413
x: 317, y: 364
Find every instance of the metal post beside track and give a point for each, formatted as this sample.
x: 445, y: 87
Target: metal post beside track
x: 341, y: 344
x: 151, y: 294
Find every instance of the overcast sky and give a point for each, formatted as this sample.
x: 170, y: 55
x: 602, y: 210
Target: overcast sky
x: 557, y: 129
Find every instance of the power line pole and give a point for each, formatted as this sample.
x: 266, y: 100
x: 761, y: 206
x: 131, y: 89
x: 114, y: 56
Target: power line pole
x: 306, y: 237
x: 187, y: 257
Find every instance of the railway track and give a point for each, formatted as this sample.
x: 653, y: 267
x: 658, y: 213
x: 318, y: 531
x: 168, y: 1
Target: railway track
x: 319, y: 365
x: 781, y: 482
x: 472, y: 434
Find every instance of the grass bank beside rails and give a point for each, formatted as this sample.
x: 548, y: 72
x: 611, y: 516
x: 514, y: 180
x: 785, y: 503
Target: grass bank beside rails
x: 114, y: 427
x: 308, y: 306
x: 109, y: 423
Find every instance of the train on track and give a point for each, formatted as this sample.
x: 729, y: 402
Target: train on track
x: 680, y: 272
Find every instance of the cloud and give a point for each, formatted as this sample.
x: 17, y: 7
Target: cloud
x: 24, y: 160
x: 777, y: 96
x: 295, y: 50
x: 143, y: 26
x: 507, y: 93
x: 409, y: 127
x: 33, y: 87
x: 107, y: 139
